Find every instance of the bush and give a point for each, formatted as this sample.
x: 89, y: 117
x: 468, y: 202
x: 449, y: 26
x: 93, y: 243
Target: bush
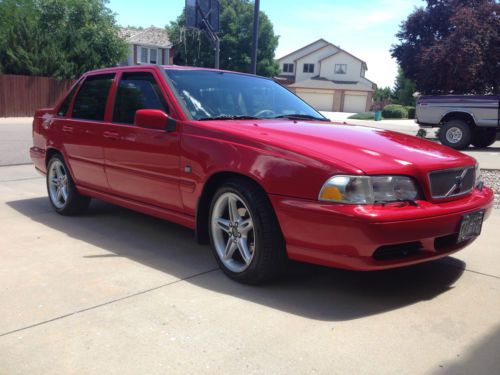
x: 363, y: 116
x: 411, y: 112
x: 394, y: 111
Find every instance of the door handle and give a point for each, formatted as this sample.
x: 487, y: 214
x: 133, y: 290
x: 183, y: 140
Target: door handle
x: 111, y: 135
x: 67, y: 129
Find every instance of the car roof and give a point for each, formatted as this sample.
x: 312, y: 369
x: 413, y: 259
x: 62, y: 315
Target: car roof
x: 166, y: 67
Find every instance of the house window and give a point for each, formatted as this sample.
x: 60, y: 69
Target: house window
x: 308, y: 68
x: 153, y: 53
x: 287, y: 68
x: 340, y: 68
x: 147, y: 55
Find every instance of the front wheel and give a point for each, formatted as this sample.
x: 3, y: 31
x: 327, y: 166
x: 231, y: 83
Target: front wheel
x: 456, y: 134
x: 244, y: 233
x: 63, y: 196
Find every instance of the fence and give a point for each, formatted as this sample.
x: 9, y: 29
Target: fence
x: 21, y: 95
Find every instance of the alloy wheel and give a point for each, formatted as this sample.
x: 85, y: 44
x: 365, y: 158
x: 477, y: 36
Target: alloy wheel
x: 58, y: 184
x: 233, y: 232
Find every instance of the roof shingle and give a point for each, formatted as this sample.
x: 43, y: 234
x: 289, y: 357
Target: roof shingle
x: 151, y: 36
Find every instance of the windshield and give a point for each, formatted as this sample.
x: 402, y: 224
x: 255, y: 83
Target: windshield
x: 221, y: 95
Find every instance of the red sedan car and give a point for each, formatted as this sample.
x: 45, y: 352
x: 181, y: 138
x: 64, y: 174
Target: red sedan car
x: 256, y: 171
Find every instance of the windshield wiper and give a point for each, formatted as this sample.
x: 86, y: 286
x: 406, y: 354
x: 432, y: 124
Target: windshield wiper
x: 299, y: 116
x: 228, y: 117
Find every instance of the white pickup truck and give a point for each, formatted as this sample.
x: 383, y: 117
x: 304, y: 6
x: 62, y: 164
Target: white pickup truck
x: 463, y: 120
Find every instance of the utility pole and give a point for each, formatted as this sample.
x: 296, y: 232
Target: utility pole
x: 255, y: 35
x: 217, y: 52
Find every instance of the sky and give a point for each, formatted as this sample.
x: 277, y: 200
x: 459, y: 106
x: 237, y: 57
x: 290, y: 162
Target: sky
x: 364, y: 28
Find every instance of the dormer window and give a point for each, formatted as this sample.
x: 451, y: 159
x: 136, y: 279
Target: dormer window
x: 287, y: 68
x: 308, y: 68
x: 340, y: 68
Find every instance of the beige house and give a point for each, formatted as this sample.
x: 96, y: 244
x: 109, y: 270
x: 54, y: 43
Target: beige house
x: 327, y: 77
x: 147, y: 46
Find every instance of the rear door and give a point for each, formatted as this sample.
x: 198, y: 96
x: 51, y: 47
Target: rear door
x: 142, y: 164
x: 82, y: 131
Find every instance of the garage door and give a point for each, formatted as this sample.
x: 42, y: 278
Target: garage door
x: 354, y: 103
x: 320, y: 101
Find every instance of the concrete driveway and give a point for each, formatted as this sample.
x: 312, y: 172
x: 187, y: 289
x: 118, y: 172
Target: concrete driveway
x: 116, y: 292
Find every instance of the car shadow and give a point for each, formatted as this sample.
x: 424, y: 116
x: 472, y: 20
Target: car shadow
x: 310, y: 291
x: 487, y: 149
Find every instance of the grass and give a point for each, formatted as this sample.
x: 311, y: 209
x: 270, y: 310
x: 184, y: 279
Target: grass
x: 363, y: 116
x: 371, y: 116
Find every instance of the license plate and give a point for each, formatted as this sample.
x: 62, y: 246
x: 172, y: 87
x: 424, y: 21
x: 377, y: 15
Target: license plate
x: 470, y: 226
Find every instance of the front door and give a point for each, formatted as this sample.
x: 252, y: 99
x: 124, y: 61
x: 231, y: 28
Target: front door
x: 141, y: 164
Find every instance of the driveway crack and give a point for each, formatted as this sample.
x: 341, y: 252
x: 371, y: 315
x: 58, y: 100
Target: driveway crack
x: 109, y: 302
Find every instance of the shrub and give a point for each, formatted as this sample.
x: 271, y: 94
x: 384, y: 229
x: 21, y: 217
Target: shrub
x: 363, y: 116
x: 394, y: 111
x: 411, y: 112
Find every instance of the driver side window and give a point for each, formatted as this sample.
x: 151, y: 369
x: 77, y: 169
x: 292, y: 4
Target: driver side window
x: 137, y: 90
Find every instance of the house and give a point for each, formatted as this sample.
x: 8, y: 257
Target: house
x: 327, y: 77
x: 147, y: 46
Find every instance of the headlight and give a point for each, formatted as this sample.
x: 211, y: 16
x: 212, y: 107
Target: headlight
x: 368, y: 189
x: 479, y: 181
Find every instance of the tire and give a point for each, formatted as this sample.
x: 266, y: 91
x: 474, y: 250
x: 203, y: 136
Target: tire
x: 63, y: 196
x: 253, y: 251
x: 456, y: 134
x: 484, y: 137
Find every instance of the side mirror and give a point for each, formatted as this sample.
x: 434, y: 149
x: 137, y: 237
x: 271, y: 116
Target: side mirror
x: 154, y: 119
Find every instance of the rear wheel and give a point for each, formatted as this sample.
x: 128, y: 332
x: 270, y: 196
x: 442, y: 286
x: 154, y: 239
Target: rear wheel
x: 456, y: 134
x: 484, y: 137
x: 63, y: 196
x: 244, y: 233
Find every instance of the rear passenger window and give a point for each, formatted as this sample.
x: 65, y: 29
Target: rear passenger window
x: 90, y: 102
x: 137, y: 91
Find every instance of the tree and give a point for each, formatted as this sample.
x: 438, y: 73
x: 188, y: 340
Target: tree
x: 404, y: 89
x: 58, y: 38
x: 451, y: 46
x: 382, y: 94
x: 236, y: 20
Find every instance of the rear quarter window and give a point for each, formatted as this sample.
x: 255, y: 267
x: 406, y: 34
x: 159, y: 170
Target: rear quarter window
x: 90, y: 102
x: 63, y: 109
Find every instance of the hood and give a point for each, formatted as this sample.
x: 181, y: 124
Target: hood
x: 364, y: 149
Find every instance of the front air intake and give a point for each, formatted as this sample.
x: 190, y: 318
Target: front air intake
x: 402, y: 250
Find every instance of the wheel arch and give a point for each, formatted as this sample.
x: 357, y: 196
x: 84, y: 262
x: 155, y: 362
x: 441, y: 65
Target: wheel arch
x: 467, y: 117
x: 209, y: 189
x: 51, y: 152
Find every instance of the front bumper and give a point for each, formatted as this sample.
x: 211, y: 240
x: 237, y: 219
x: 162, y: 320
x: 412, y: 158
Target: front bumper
x: 347, y: 236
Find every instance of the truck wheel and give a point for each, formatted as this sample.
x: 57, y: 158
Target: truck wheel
x: 63, y: 196
x: 484, y: 137
x: 455, y: 134
x: 244, y: 233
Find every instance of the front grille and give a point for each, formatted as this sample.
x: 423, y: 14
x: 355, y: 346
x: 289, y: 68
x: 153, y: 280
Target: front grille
x: 452, y: 182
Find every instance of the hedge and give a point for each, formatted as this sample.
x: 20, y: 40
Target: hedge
x: 394, y: 111
x: 411, y: 112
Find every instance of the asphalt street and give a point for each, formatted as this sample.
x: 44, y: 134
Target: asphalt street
x: 117, y: 292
